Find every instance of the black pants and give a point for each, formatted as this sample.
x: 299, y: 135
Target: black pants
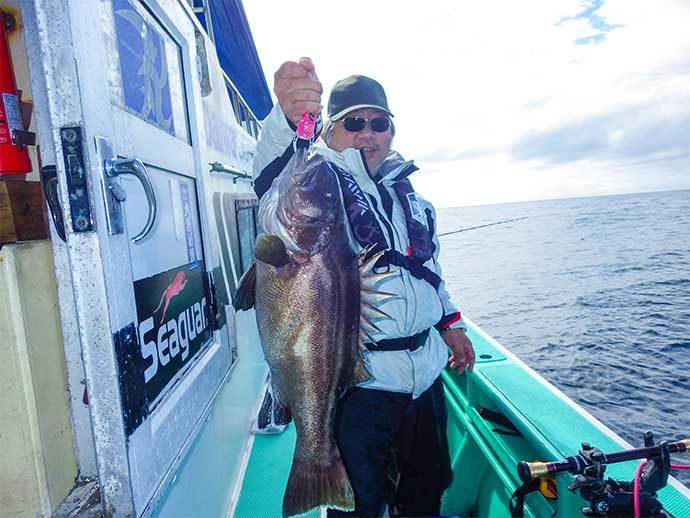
x: 370, y: 425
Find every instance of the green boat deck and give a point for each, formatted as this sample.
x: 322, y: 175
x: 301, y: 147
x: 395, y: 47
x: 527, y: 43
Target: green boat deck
x: 484, y: 461
x: 229, y: 472
x: 267, y: 475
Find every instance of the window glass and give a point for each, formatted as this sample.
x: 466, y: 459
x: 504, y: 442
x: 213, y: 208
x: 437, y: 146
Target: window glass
x: 246, y: 231
x: 146, y: 78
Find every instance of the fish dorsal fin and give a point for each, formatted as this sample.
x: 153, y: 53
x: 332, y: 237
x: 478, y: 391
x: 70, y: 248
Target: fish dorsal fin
x: 371, y: 298
x: 368, y: 279
x: 271, y: 249
x: 361, y: 373
x: 245, y: 296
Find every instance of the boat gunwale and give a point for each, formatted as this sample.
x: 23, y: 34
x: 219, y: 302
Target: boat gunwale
x: 534, y: 436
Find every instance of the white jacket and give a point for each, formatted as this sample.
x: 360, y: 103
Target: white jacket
x: 421, y: 306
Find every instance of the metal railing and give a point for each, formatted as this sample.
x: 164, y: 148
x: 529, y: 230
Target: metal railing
x: 243, y: 113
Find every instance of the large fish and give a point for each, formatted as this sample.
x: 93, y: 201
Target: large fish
x: 315, y: 304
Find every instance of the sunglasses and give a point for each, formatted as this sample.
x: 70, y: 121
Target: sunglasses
x: 354, y: 124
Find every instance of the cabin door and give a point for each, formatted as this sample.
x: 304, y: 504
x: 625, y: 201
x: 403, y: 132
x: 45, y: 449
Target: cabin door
x: 124, y: 111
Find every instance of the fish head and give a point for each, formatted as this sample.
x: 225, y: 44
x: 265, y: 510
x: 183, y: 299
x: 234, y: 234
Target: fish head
x: 310, y: 208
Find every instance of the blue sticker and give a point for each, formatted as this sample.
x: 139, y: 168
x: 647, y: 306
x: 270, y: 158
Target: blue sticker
x: 143, y: 67
x: 415, y: 208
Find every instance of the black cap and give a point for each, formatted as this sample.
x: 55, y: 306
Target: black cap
x: 354, y: 93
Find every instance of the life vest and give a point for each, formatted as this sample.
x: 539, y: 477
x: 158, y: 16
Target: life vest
x: 369, y: 232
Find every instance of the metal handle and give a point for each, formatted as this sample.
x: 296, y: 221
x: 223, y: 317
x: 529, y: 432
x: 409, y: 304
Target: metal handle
x: 219, y: 167
x: 134, y: 166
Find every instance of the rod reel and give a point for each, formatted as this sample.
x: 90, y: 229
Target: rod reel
x: 607, y: 497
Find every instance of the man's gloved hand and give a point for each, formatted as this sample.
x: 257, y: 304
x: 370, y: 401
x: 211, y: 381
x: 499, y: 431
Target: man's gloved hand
x: 463, y: 352
x: 298, y: 89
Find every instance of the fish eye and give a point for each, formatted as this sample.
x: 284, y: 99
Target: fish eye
x: 329, y: 196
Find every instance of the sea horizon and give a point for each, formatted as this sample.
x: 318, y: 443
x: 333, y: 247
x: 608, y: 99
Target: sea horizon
x: 575, y: 197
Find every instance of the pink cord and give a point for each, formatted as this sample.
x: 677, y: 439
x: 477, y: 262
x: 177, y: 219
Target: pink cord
x: 636, y: 486
x: 636, y: 489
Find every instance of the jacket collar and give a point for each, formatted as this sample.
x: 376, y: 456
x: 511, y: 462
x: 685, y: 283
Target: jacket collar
x: 350, y: 159
x: 394, y: 167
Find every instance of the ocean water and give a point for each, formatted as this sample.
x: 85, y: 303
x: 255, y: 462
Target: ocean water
x: 593, y: 293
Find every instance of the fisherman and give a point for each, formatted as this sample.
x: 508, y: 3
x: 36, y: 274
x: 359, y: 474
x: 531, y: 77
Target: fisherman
x: 402, y: 408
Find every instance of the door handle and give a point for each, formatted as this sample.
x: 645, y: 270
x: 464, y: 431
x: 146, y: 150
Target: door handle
x: 115, y: 167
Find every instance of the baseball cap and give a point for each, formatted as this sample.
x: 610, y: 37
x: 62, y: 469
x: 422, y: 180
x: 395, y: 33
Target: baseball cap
x: 354, y: 93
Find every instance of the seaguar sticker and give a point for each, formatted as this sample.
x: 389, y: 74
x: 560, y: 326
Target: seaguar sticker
x: 171, y: 330
x: 173, y: 327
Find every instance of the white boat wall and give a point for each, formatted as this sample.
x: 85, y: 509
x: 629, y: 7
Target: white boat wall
x: 146, y: 149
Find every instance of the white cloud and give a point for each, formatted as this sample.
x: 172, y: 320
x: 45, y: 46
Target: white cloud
x: 470, y: 82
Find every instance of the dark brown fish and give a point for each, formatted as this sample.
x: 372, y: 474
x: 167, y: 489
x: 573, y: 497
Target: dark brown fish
x: 314, y: 302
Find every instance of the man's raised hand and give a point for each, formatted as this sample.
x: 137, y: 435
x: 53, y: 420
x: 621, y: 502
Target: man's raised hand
x: 298, y: 89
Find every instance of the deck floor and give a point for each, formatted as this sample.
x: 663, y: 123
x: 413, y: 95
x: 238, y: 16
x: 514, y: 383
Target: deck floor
x: 266, y: 476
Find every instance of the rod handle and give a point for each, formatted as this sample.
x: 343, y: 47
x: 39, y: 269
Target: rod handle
x: 529, y: 470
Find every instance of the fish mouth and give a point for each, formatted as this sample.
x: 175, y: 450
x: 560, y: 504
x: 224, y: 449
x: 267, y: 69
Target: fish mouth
x: 304, y: 222
x: 299, y: 217
x: 307, y: 235
x: 305, y: 179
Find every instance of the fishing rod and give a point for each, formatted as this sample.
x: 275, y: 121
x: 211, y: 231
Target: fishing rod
x: 481, y: 226
x: 607, y: 497
x: 576, y: 464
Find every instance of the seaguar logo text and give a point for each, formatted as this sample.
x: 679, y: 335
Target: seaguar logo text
x: 172, y: 338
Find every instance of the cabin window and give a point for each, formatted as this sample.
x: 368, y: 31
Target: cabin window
x: 146, y: 77
x: 246, y: 231
x: 236, y: 223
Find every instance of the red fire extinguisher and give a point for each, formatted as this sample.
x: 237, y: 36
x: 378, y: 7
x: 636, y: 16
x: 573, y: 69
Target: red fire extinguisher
x: 14, y: 156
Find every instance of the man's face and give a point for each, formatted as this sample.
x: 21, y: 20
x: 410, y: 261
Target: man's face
x: 375, y: 145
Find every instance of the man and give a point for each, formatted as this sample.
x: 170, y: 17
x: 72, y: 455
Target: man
x: 401, y: 408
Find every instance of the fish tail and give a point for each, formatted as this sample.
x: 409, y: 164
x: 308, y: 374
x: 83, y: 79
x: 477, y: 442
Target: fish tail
x: 312, y: 485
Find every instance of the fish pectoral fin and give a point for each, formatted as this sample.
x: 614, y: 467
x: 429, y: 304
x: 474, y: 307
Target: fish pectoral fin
x: 245, y: 297
x: 361, y: 373
x: 270, y: 249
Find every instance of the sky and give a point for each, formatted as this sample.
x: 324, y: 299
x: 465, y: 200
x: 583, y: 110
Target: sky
x: 499, y: 101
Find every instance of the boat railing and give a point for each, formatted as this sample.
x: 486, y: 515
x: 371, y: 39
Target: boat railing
x: 243, y: 113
